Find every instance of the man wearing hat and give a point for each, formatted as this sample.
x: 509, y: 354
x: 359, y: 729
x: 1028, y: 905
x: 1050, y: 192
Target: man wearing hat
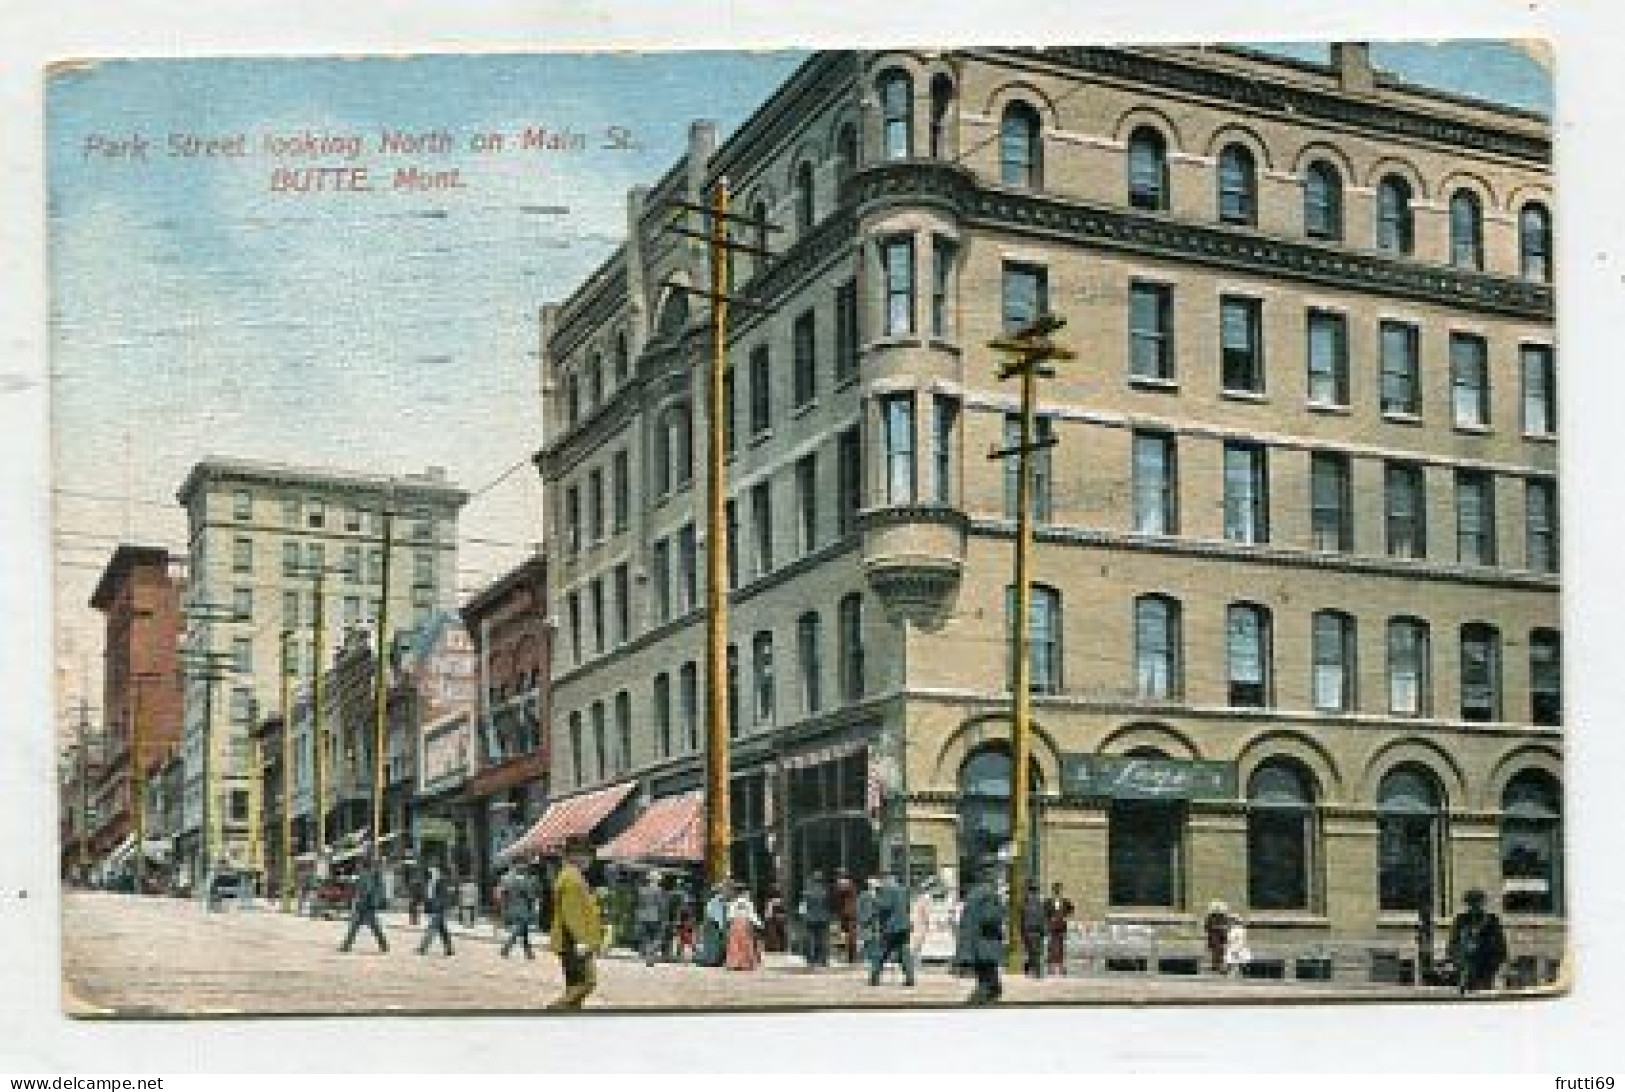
x: 979, y: 942
x: 369, y: 897
x: 1032, y: 930
x: 518, y: 909
x: 815, y: 917
x: 1478, y: 945
x: 578, y: 930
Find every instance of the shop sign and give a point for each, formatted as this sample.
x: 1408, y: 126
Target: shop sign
x: 1127, y: 778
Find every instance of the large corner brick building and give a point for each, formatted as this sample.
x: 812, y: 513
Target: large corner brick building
x: 1295, y: 634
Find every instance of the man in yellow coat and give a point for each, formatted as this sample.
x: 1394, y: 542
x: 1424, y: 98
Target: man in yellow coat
x: 578, y: 930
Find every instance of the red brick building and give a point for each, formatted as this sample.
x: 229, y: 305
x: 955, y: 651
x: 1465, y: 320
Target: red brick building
x: 140, y: 594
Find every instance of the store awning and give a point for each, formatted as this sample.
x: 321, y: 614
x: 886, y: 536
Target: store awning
x: 670, y: 829
x: 566, y: 818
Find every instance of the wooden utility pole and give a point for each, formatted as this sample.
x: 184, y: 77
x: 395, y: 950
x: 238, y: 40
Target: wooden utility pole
x: 380, y: 687
x: 1031, y: 351
x: 318, y: 806
x: 286, y: 881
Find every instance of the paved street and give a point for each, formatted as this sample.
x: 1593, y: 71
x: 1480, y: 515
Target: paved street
x: 128, y: 956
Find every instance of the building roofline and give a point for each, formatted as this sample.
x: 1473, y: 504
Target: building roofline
x: 482, y: 601
x: 125, y: 557
x: 275, y: 473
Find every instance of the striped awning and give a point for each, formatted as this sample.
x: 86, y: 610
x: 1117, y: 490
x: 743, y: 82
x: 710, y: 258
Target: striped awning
x: 670, y: 829
x: 573, y: 816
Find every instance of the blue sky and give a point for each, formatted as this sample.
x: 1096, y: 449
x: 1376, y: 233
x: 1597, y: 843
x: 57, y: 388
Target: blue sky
x: 197, y: 313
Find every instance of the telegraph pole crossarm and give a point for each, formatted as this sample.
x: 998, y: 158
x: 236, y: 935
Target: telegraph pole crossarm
x: 1031, y: 350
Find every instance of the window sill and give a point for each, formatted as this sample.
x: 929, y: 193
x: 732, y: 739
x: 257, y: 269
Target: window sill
x: 1541, y: 437
x: 1270, y: 919
x: 761, y: 437
x: 1154, y: 383
x: 1396, y: 417
x: 804, y: 409
x: 845, y: 381
x: 1333, y: 409
x: 1151, y: 915
x: 1473, y: 430
x: 1257, y: 397
x: 945, y: 345
x: 905, y: 340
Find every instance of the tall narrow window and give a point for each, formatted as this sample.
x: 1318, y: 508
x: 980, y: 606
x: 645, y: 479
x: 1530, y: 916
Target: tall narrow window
x: 1480, y: 673
x: 943, y: 252
x: 762, y: 669
x: 1145, y: 849
x: 623, y: 360
x: 688, y: 569
x: 1332, y: 507
x: 897, y: 417
x: 662, y: 455
x: 945, y: 418
x: 682, y: 445
x: 761, y: 512
x: 1466, y: 230
x: 1535, y: 242
x: 688, y: 704
x: 1026, y: 295
x: 623, y: 731
x: 730, y: 412
x: 595, y: 505
x: 807, y: 501
x: 1410, y: 680
x: 621, y: 585
x: 1328, y: 359
x: 807, y: 647
x: 595, y: 603
x: 1540, y: 519
x: 731, y: 518
x: 1395, y: 229
x: 1151, y: 331
x: 660, y: 579
x: 242, y: 555
x: 1043, y: 637
x: 1475, y: 517
x: 897, y: 260
x: 595, y: 381
x: 1469, y: 381
x: 572, y: 399
x: 1539, y: 390
x: 1532, y: 844
x: 1020, y: 147
x: 852, y: 647
x: 1323, y: 202
x: 805, y: 212
x: 1242, y: 344
x: 1405, y: 510
x: 1040, y: 463
x: 621, y: 487
x: 846, y: 331
x: 576, y: 771
x: 1280, y: 837
x: 1238, y: 186
x: 1401, y: 370
x: 1545, y: 677
x: 736, y: 719
x: 600, y: 744
x: 846, y: 153
x: 761, y: 391
x: 848, y: 481
x: 662, y: 704
x: 1247, y: 653
x: 942, y: 97
x: 1147, y: 170
x: 1157, y: 666
x: 897, y: 114
x: 1333, y: 652
x: 804, y: 338
x: 1156, y: 489
x: 1246, y: 494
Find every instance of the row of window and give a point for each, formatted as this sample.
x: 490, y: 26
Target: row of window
x: 312, y: 514
x: 587, y: 389
x: 674, y: 734
x: 1159, y: 660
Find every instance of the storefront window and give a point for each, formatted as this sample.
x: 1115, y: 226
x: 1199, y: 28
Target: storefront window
x: 1280, y: 837
x: 984, y: 808
x: 1410, y: 830
x: 1531, y: 844
x: 830, y: 827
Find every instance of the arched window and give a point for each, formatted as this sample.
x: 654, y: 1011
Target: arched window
x: 1531, y: 844
x: 852, y: 653
x: 1044, y: 637
x: 1545, y: 677
x: 1238, y: 186
x: 1466, y: 230
x: 1410, y: 837
x: 673, y: 314
x: 1147, y: 170
x: 1145, y: 848
x: 1157, y: 656
x: 1409, y: 669
x: 1333, y: 641
x: 1323, y: 202
x: 759, y: 236
x: 1281, y: 840
x: 846, y: 153
x: 1394, y: 222
x: 1247, y: 654
x: 1480, y: 672
x: 623, y: 360
x: 1020, y: 147
x: 595, y: 381
x: 1535, y: 242
x: 942, y: 99
x: 897, y: 114
x: 984, y: 807
x: 804, y: 199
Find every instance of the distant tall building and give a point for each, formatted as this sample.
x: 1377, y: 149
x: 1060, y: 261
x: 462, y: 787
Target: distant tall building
x: 262, y: 538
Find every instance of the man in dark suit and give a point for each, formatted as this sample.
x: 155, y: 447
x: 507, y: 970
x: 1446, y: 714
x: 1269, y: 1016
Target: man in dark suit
x: 369, y: 897
x: 979, y: 942
x: 892, y: 925
x: 1478, y: 945
x: 518, y: 909
x: 815, y: 916
x: 437, y: 899
x: 1032, y: 930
